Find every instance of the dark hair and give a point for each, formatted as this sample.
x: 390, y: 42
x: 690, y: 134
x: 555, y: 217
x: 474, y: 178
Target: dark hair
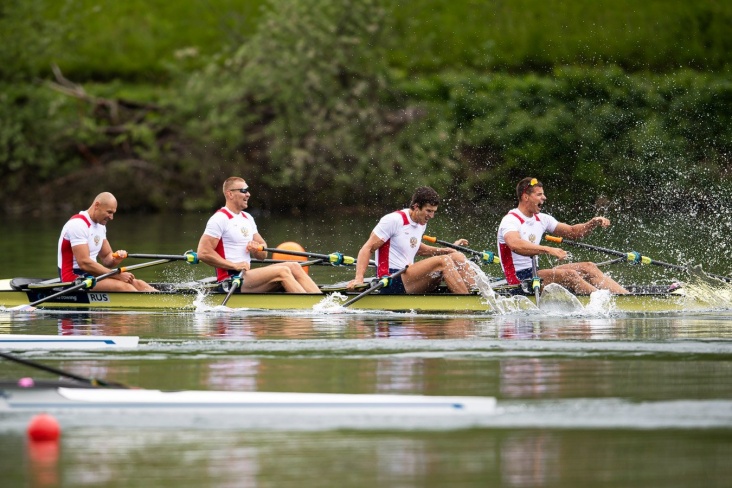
x: 526, y: 186
x: 424, y: 195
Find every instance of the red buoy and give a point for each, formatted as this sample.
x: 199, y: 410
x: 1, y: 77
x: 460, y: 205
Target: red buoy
x: 44, y: 427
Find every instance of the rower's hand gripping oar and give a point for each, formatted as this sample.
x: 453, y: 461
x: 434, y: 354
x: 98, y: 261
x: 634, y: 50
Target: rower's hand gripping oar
x: 88, y: 282
x: 631, y: 257
x: 235, y: 283
x: 480, y: 257
x: 376, y: 285
x: 91, y: 381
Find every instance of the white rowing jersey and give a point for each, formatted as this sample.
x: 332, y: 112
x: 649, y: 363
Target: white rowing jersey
x: 80, y: 229
x: 402, y: 238
x: 531, y: 229
x: 234, y: 232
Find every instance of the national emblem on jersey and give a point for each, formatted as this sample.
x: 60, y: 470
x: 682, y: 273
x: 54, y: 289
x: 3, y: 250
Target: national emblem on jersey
x: 413, y: 242
x: 532, y: 238
x: 96, y: 240
x: 244, y: 231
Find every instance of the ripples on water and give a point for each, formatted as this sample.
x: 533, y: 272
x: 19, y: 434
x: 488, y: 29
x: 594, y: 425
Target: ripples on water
x: 593, y: 390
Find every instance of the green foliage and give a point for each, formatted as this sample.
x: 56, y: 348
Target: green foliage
x: 27, y: 37
x: 531, y: 35
x: 149, y: 40
x: 311, y: 110
x: 591, y: 133
x: 28, y: 137
x: 308, y: 90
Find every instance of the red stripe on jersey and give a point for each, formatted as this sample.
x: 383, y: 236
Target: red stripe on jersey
x: 221, y: 274
x: 82, y: 217
x: 536, y: 217
x: 67, y: 255
x: 67, y: 261
x: 225, y: 212
x: 405, y: 219
x: 382, y: 266
x: 507, y: 261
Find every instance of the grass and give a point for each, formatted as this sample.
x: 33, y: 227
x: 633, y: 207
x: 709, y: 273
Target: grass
x: 144, y: 39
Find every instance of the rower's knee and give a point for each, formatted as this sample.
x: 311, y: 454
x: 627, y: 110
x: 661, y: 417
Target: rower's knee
x: 457, y: 258
x: 284, y: 273
x: 589, y: 268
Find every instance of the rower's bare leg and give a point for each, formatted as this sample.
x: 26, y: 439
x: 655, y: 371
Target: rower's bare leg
x: 270, y: 278
x: 302, y: 277
x: 592, y: 274
x: 568, y: 278
x: 425, y: 275
x: 142, y: 286
x: 110, y: 284
x: 463, y: 267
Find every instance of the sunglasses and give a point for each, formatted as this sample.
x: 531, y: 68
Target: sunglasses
x: 241, y: 190
x: 531, y: 183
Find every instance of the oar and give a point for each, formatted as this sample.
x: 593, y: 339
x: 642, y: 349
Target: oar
x: 92, y: 381
x: 311, y: 262
x: 377, y: 285
x: 631, y: 257
x: 235, y: 283
x: 189, y: 256
x: 336, y: 258
x: 481, y: 257
x: 535, y: 281
x: 90, y: 281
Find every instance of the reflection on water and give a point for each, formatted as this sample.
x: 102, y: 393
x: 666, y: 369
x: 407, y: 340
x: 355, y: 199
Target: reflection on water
x: 601, y: 400
x: 477, y: 457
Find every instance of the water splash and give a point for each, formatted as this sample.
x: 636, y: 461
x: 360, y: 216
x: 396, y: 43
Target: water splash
x: 557, y: 299
x: 331, y: 303
x: 703, y: 288
x: 601, y: 302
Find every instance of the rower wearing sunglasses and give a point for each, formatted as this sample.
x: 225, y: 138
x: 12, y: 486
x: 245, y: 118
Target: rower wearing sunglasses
x: 231, y: 239
x: 519, y: 237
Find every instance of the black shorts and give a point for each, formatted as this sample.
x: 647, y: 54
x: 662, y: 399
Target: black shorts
x: 79, y: 273
x: 524, y: 274
x: 396, y: 287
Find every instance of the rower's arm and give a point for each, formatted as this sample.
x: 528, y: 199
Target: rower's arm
x: 207, y: 253
x: 86, y: 263
x: 425, y: 250
x: 364, y: 256
x: 526, y: 248
x: 253, y: 247
x: 578, y: 231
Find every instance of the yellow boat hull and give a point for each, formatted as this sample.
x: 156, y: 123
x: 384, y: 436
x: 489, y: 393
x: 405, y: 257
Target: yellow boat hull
x: 189, y: 300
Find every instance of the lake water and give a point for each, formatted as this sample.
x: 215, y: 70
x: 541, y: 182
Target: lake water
x: 603, y: 399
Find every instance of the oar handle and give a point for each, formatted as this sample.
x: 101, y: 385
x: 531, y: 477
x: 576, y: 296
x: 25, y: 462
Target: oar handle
x: 336, y: 258
x: 189, y: 257
x: 484, y: 257
x: 376, y: 285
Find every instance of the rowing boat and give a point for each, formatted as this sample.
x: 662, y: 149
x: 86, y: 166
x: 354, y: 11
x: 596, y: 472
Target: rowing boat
x: 18, y: 292
x: 19, y: 342
x: 68, y: 396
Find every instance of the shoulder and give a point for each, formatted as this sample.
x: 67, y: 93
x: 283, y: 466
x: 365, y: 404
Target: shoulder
x: 547, y: 219
x: 78, y: 223
x: 512, y: 218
